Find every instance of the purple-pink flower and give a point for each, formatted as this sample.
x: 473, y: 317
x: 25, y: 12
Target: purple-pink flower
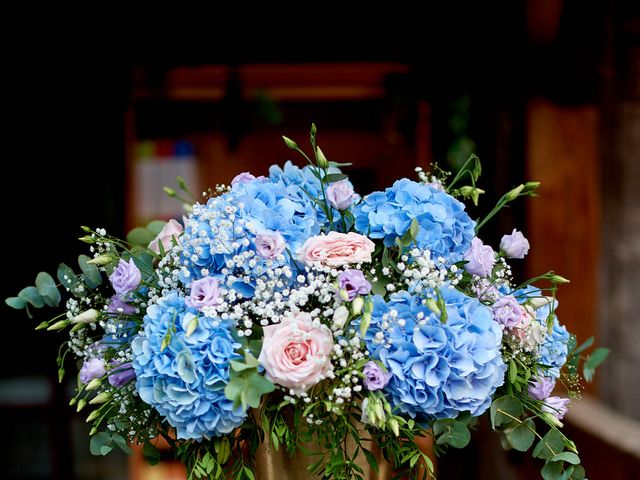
x: 126, y: 277
x: 480, y: 258
x: 121, y: 374
x: 204, y: 293
x: 375, y: 378
x: 119, y: 306
x: 354, y: 283
x: 340, y: 194
x: 556, y: 406
x: 541, y: 387
x: 92, y: 368
x: 170, y: 232
x: 244, y: 177
x: 514, y: 245
x: 507, y: 311
x: 270, y: 244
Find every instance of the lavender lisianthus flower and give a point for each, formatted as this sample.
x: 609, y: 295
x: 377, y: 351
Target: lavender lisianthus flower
x: 507, y: 311
x: 354, y: 283
x: 556, y: 406
x: 126, y: 277
x: 480, y: 258
x: 541, y: 387
x: 118, y: 306
x: 270, y: 244
x: 244, y: 177
x: 514, y: 245
x: 92, y: 368
x: 204, y: 293
x: 122, y: 374
x: 375, y: 378
x: 340, y: 195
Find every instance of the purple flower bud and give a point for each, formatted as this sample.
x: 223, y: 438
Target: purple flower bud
x: 480, y: 258
x: 244, y: 177
x: 354, y: 283
x: 270, y: 244
x: 204, y: 293
x: 375, y: 378
x: 556, y: 406
x: 507, y: 311
x: 119, y: 306
x: 541, y: 387
x: 122, y: 374
x: 126, y: 277
x: 340, y: 194
x: 514, y: 245
x: 92, y: 368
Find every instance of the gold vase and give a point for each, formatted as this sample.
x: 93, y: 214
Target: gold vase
x: 272, y: 464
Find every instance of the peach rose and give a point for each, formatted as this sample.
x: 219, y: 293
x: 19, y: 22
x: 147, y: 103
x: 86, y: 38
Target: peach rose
x: 337, y: 249
x: 295, y: 353
x: 172, y: 229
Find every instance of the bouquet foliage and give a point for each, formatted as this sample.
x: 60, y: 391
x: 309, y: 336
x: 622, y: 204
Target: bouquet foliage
x: 287, y: 308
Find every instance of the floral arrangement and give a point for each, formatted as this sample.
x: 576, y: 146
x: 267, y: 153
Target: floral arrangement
x: 287, y: 308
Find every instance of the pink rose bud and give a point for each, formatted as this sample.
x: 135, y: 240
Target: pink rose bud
x: 340, y: 194
x: 295, y: 353
x: 514, y: 245
x: 171, y: 230
x: 204, y: 293
x: 269, y: 245
x: 480, y: 258
x: 336, y: 249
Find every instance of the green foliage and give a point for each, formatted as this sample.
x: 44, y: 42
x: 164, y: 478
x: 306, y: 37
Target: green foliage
x: 143, y: 236
x: 451, y: 432
x: 92, y: 276
x: 522, y: 436
x: 151, y: 453
x: 103, y: 443
x: 246, y: 386
x: 505, y: 410
x: 596, y: 358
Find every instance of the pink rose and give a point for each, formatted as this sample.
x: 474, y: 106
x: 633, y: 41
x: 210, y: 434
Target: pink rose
x: 295, y: 353
x: 269, y: 245
x: 172, y: 229
x: 337, y: 249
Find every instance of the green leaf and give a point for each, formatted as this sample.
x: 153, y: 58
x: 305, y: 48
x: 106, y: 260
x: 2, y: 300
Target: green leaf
x: 513, y: 371
x: 414, y: 229
x: 16, y: 302
x: 47, y: 289
x: 338, y: 164
x: 249, y: 473
x: 140, y: 236
x: 598, y: 356
x: 568, y: 457
x: 92, y: 277
x: 503, y: 409
x: 239, y: 366
x: 65, y: 271
x: 552, y: 471
x: 247, y: 387
x: 334, y: 177
x: 578, y: 473
x: 100, y: 444
x: 550, y: 445
x: 522, y: 436
x: 451, y: 432
x: 155, y: 227
x: 223, y: 449
x: 31, y: 295
x: 587, y: 343
x: 371, y: 459
x: 151, y: 453
x: 121, y: 443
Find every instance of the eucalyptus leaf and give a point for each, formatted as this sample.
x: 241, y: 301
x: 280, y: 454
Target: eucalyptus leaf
x: 140, y: 236
x: 550, y: 445
x: 66, y: 276
x: 155, y: 227
x: 552, y: 471
x: 451, y: 432
x: 99, y: 443
x: 92, y: 276
x: 121, y: 443
x: 16, y: 302
x: 568, y: 457
x: 523, y: 435
x: 47, y: 289
x: 30, y: 294
x: 503, y: 409
x: 598, y: 356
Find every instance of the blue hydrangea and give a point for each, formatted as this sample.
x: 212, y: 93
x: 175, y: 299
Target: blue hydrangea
x: 185, y: 382
x: 438, y: 369
x: 227, y: 225
x: 553, y: 351
x: 445, y: 228
x: 306, y: 185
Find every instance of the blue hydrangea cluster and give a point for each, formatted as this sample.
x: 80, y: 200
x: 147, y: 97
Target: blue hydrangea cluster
x: 304, y: 180
x: 438, y: 369
x: 217, y: 233
x: 185, y: 381
x: 445, y: 228
x: 553, y: 351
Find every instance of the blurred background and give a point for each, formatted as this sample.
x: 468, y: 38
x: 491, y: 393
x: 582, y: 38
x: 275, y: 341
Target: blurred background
x: 106, y: 104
